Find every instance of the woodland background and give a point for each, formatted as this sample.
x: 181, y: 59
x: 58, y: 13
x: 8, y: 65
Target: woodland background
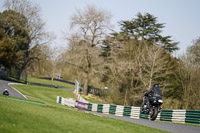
x: 128, y: 61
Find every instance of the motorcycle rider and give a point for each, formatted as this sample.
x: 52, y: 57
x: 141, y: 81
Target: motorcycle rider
x: 150, y: 95
x: 6, y: 92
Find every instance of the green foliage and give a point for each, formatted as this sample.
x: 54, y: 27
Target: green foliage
x: 145, y: 27
x: 174, y: 90
x: 8, y: 55
x: 15, y: 26
x: 15, y: 42
x: 17, y: 50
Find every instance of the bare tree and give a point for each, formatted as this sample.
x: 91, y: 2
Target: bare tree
x: 90, y: 26
x: 121, y: 73
x: 85, y: 59
x: 188, y: 77
x: 43, y: 66
x: 154, y: 65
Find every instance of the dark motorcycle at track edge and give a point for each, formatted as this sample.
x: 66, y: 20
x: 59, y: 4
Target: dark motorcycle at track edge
x: 152, y: 102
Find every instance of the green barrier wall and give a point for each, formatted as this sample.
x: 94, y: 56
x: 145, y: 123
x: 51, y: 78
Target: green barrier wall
x: 60, y: 99
x: 89, y: 107
x: 100, y: 108
x: 144, y: 116
x: 127, y: 111
x: 112, y: 109
x: 166, y: 115
x: 192, y: 116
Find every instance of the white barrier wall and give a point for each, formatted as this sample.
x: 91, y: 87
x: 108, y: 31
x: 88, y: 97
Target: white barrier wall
x: 94, y: 107
x: 66, y: 101
x: 135, y: 112
x: 106, y: 108
x: 178, y: 116
x: 119, y: 110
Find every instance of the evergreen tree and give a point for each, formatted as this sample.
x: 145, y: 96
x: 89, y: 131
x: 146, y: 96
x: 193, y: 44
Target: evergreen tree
x: 145, y: 27
x: 8, y: 54
x: 14, y: 26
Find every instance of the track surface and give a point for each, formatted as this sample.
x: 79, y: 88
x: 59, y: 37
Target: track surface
x: 50, y: 86
x: 170, y: 127
x: 12, y: 92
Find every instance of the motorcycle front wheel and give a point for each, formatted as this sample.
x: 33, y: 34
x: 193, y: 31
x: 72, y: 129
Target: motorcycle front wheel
x: 153, y: 113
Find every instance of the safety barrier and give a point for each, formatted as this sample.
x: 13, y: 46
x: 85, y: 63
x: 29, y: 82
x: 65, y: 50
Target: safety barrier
x: 81, y: 105
x: 66, y: 101
x: 135, y: 112
x: 106, y: 108
x: 59, y: 99
x: 118, y: 110
x: 166, y: 115
x: 178, y: 116
x: 192, y: 116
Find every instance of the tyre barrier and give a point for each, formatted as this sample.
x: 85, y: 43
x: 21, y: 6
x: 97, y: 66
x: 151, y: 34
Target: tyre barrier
x: 192, y: 116
x: 177, y: 116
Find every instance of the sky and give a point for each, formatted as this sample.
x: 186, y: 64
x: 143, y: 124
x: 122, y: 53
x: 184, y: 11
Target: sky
x: 181, y: 17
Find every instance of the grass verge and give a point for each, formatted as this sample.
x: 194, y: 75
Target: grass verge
x: 43, y: 94
x: 23, y: 117
x: 93, y: 99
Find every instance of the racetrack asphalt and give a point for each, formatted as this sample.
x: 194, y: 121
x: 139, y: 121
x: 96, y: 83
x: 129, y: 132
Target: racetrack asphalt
x: 170, y: 127
x: 12, y: 92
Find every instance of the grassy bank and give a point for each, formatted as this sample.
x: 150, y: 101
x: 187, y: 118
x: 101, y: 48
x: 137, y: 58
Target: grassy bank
x: 23, y: 117
x: 93, y: 99
x: 43, y: 94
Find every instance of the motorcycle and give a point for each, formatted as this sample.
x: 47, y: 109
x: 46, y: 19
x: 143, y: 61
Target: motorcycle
x: 154, y: 107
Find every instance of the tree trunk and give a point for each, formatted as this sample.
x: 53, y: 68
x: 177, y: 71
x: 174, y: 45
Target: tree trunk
x: 85, y: 92
x: 19, y: 73
x: 125, y: 98
x: 85, y: 89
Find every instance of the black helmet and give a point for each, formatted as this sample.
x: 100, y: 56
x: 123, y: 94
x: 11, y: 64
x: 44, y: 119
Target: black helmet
x: 156, y: 85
